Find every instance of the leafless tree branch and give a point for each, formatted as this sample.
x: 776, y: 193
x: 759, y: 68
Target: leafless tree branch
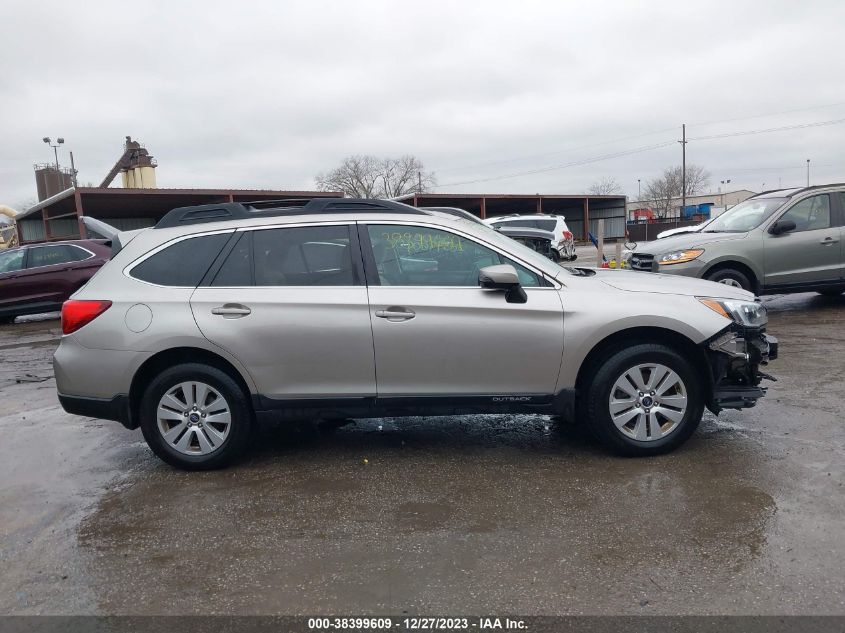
x: 370, y: 177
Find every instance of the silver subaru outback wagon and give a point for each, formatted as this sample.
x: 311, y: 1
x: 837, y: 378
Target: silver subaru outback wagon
x: 221, y: 316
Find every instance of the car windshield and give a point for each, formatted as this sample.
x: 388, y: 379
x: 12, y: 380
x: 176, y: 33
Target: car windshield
x: 745, y: 216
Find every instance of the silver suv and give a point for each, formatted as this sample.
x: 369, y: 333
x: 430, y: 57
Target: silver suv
x: 223, y: 315
x: 790, y: 240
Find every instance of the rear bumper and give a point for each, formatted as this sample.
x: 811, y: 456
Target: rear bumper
x: 116, y: 408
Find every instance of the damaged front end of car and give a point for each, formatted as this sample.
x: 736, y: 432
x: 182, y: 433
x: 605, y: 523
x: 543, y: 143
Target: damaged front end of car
x: 736, y: 355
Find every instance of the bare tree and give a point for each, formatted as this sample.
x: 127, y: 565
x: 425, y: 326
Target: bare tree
x: 371, y: 177
x: 666, y: 191
x: 605, y: 187
x: 357, y: 176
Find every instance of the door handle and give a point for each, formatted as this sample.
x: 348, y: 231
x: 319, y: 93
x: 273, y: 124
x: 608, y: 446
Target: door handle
x: 231, y: 311
x: 396, y: 314
x: 828, y: 240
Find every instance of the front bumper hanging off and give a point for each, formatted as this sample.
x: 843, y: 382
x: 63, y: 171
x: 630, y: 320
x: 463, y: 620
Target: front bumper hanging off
x: 735, y: 357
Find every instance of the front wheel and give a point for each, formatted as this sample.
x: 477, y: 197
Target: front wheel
x: 643, y: 400
x: 731, y: 277
x: 196, y: 417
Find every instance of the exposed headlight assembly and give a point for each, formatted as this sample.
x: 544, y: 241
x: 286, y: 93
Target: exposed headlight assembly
x: 680, y: 257
x: 747, y: 313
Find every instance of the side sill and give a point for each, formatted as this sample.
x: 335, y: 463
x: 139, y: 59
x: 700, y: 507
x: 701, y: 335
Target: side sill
x: 562, y: 403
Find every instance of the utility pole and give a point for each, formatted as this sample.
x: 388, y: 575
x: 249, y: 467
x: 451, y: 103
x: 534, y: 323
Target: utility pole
x: 419, y: 182
x: 683, y: 143
x: 639, y: 195
x: 808, y: 172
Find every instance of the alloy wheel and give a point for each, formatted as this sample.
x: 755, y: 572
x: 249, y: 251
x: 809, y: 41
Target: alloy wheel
x: 648, y: 402
x: 194, y: 418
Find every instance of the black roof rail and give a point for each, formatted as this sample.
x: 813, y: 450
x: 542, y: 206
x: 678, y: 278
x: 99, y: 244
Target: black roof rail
x: 225, y: 211
x: 796, y: 190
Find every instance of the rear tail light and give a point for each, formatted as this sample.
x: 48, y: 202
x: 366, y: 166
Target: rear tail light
x: 567, y: 235
x: 75, y: 314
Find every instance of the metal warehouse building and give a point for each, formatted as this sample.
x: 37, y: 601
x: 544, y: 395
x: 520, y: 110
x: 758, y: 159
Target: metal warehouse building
x: 57, y: 218
x: 582, y: 213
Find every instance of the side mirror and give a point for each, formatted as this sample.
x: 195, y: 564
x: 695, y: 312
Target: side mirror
x: 503, y: 277
x: 782, y: 226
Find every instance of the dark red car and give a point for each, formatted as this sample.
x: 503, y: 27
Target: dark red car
x: 40, y: 277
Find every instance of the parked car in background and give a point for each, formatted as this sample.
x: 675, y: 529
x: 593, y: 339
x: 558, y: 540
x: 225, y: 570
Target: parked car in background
x: 788, y: 240
x: 564, y: 240
x: 40, y: 277
x: 537, y: 240
x: 224, y: 315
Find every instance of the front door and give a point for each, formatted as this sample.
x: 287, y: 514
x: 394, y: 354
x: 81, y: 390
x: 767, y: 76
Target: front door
x: 809, y: 254
x: 436, y: 332
x: 291, y: 305
x: 13, y: 291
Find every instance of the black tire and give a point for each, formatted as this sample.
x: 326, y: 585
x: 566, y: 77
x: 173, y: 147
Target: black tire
x: 731, y: 274
x: 594, y: 403
x: 6, y: 320
x: 239, y: 407
x: 831, y: 292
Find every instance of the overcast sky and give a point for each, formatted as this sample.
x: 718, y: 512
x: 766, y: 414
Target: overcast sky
x: 266, y: 94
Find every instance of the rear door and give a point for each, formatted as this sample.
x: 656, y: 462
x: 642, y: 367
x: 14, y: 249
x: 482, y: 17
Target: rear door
x: 46, y: 274
x: 291, y: 305
x: 812, y: 253
x: 437, y: 333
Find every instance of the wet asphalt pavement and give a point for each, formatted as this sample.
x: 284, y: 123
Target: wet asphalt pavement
x: 469, y: 514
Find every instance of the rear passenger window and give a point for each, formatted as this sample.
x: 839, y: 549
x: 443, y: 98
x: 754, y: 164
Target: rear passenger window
x: 303, y: 256
x: 237, y: 269
x: 182, y: 264
x: 51, y: 255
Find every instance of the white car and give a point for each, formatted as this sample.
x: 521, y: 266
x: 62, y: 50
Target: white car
x: 564, y: 241
x: 695, y: 228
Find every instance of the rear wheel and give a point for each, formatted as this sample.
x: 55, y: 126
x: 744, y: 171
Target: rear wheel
x: 196, y: 417
x: 5, y: 320
x: 731, y: 277
x: 643, y: 400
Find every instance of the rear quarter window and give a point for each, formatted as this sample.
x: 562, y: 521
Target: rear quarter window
x: 183, y: 263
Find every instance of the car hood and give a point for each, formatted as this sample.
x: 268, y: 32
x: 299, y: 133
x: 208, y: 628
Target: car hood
x: 635, y: 281
x: 685, y: 241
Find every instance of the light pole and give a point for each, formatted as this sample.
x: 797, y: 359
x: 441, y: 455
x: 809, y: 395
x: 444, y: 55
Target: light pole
x: 638, y: 190
x: 724, y: 186
x: 808, y: 172
x: 59, y: 141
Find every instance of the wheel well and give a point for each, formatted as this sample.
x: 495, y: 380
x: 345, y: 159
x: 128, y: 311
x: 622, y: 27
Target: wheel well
x: 634, y: 336
x: 161, y: 361
x: 738, y: 266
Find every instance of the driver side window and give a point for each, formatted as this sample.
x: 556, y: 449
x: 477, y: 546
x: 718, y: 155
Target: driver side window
x: 423, y: 256
x: 12, y: 261
x: 810, y: 214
